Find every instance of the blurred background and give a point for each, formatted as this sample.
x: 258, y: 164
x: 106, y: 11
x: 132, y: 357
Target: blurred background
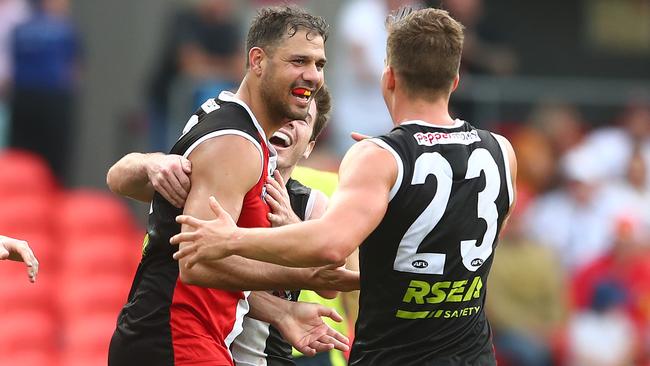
x: 568, y: 82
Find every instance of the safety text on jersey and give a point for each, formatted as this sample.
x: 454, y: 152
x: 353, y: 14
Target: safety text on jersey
x: 422, y: 292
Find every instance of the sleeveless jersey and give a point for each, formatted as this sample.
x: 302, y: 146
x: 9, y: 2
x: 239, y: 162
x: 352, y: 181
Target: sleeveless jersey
x: 424, y: 268
x: 261, y: 344
x: 166, y: 322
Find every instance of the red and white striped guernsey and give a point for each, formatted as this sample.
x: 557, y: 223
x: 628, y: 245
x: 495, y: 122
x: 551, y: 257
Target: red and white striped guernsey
x: 164, y: 321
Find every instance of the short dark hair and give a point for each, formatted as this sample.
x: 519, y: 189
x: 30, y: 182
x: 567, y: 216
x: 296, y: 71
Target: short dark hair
x: 273, y: 23
x: 424, y: 47
x: 323, y: 100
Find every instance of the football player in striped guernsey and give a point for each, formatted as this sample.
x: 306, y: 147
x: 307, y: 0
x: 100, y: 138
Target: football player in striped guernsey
x: 176, y: 315
x: 260, y: 343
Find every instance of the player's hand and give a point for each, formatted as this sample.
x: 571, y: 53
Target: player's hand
x: 169, y: 176
x: 303, y: 327
x: 278, y: 199
x: 356, y: 136
x: 206, y: 241
x: 19, y: 250
x: 334, y: 277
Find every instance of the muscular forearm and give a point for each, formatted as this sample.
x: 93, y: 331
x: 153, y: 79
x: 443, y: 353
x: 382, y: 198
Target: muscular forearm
x: 265, y: 306
x: 308, y: 244
x: 128, y: 177
x: 237, y: 273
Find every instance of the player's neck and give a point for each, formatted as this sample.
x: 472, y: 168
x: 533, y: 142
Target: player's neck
x: 286, y: 172
x: 436, y: 112
x: 249, y: 95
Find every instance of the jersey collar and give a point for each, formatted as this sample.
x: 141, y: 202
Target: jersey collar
x: 457, y: 123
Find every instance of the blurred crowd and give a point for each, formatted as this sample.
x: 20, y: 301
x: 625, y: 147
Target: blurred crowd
x: 570, y: 284
x: 570, y: 280
x: 39, y: 61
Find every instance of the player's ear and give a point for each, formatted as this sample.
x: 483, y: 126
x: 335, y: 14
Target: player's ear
x: 454, y: 84
x: 256, y: 60
x: 388, y: 78
x: 309, y: 149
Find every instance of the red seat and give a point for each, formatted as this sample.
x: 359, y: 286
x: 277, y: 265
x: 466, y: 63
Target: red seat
x: 81, y: 296
x: 19, y: 214
x: 31, y: 358
x: 16, y: 292
x: 24, y: 173
x: 24, y: 331
x: 89, y: 336
x: 72, y: 358
x: 100, y: 255
x: 91, y: 213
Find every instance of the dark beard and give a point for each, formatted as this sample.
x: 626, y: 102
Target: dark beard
x: 278, y: 111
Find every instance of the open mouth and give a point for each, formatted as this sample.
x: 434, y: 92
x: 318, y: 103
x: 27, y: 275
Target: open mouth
x: 301, y: 93
x: 280, y: 139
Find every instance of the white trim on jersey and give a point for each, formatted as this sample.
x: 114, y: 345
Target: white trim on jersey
x: 237, y: 328
x: 310, y: 204
x: 400, y: 166
x: 249, y: 346
x: 506, y: 161
x: 226, y: 132
x: 227, y: 96
x: 457, y: 123
x: 193, y: 121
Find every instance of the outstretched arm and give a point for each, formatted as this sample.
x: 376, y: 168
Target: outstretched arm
x: 218, y: 171
x: 299, y: 322
x: 138, y: 175
x: 19, y: 250
x: 366, y: 175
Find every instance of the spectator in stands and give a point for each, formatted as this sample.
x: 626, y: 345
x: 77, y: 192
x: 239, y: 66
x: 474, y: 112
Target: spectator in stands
x: 602, y: 335
x: 527, y: 305
x: 45, y: 52
x: 12, y: 13
x: 484, y: 49
x: 562, y: 124
x: 631, y: 193
x: 572, y: 219
x: 614, y: 146
x: 538, y: 170
x: 19, y: 250
x: 203, y: 48
x: 355, y: 78
x: 627, y: 266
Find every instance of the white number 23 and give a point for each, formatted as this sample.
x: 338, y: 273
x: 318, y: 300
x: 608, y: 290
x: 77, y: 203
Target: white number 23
x: 407, y: 258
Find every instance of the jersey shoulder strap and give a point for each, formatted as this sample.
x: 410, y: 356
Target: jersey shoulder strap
x: 216, y: 118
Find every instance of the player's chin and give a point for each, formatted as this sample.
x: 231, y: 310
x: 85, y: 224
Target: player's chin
x: 295, y: 112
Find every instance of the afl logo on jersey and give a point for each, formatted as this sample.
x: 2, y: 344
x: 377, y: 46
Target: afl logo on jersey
x: 420, y: 264
x: 476, y: 262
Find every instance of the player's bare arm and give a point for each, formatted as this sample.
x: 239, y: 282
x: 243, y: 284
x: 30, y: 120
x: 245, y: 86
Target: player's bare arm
x: 366, y: 175
x: 299, y: 322
x: 19, y: 250
x: 138, y: 175
x: 218, y: 171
